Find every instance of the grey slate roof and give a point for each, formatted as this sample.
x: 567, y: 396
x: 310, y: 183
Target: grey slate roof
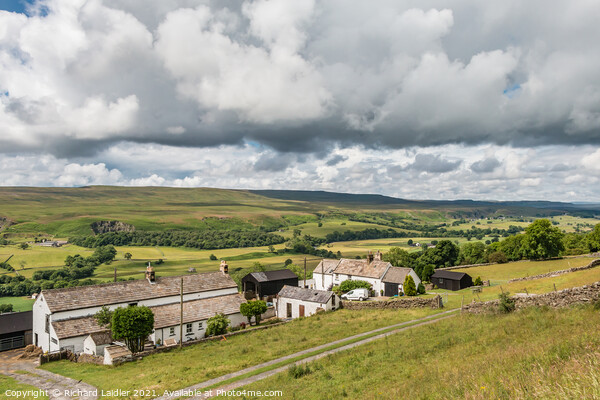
x: 456, y: 276
x: 130, y: 291
x: 374, y: 269
x: 16, y: 322
x: 101, y: 338
x: 312, y: 295
x: 277, y: 275
x: 326, y: 266
x: 396, y: 275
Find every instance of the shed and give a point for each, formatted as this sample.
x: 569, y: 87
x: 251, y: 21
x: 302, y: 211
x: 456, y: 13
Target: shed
x: 393, y: 280
x: 267, y: 283
x: 451, y: 280
x: 294, y: 302
x: 15, y: 330
x: 95, y: 343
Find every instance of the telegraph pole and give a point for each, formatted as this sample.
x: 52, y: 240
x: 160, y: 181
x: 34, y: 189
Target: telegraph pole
x: 181, y: 316
x: 304, y: 272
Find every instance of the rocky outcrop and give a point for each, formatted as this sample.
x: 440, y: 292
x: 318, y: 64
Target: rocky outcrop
x: 407, y: 302
x: 111, y: 226
x: 561, y: 298
x: 593, y: 264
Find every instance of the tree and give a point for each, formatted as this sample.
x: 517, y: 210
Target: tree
x: 593, y: 239
x: 497, y: 257
x: 410, y: 289
x: 472, y: 253
x: 213, y: 257
x: 271, y: 248
x: 6, y: 308
x: 132, y: 325
x: 287, y: 262
x: 128, y: 256
x: 217, y: 325
x: 542, y: 240
x: 24, y: 246
x: 421, y: 288
x: 506, y: 303
x: 478, y: 281
x: 104, y: 317
x: 349, y: 285
x: 410, y: 242
x: 398, y: 257
x: 253, y: 308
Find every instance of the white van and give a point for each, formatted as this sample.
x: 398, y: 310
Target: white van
x: 356, y: 294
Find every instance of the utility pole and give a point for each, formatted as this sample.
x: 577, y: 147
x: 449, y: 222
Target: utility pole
x: 304, y: 272
x: 181, y: 316
x: 115, y: 274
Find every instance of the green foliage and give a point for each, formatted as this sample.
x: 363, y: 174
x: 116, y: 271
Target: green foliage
x: 24, y: 246
x: 104, y: 317
x: 472, y: 253
x: 398, y: 257
x: 287, y: 262
x: 128, y: 256
x: 506, y: 304
x: 542, y: 240
x: 298, y: 371
x: 217, y: 325
x: 421, y: 288
x: 6, y: 308
x: 213, y: 257
x: 478, y: 281
x: 6, y: 266
x: 409, y: 287
x: 593, y: 239
x: 497, y: 257
x: 132, y: 325
x: 253, y: 308
x: 349, y: 285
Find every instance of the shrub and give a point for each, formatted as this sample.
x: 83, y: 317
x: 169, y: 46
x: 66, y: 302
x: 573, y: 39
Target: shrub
x: 298, y: 371
x: 6, y: 308
x: 217, y: 325
x: 349, y: 285
x: 410, y: 289
x: 421, y: 288
x: 132, y: 325
x: 507, y: 304
x: 478, y: 281
x: 213, y: 257
x: 497, y: 257
x: 597, y: 305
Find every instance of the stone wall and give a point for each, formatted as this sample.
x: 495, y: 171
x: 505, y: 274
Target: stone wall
x: 561, y: 298
x: 593, y: 264
x: 90, y: 359
x: 409, y: 302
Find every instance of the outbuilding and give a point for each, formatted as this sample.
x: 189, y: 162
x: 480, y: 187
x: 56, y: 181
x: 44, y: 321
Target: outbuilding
x: 268, y: 283
x: 294, y: 302
x: 15, y: 330
x: 451, y: 280
x: 393, y: 280
x: 95, y: 343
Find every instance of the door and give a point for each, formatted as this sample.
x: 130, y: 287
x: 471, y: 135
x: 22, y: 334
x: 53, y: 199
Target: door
x: 301, y: 310
x: 36, y: 339
x: 289, y: 310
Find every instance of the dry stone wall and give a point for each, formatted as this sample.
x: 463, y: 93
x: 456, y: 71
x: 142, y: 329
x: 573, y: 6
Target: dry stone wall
x: 562, y: 298
x: 593, y: 264
x: 414, y: 302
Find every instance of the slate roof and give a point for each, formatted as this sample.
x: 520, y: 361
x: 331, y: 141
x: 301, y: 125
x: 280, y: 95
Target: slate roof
x: 166, y: 315
x: 16, y: 322
x: 374, y: 269
x: 268, y: 276
x: 298, y: 293
x: 130, y: 291
x: 396, y: 275
x: 117, y: 351
x: 456, y: 276
x: 326, y: 266
x: 101, y: 338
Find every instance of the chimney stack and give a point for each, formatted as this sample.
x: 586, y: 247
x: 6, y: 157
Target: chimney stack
x: 369, y: 257
x: 150, y: 274
x: 224, y: 268
x: 378, y: 255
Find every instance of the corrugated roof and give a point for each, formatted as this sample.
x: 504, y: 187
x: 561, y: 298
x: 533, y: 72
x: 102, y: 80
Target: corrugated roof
x: 448, y: 274
x: 396, y: 275
x: 298, y: 293
x: 326, y: 266
x: 268, y: 276
x: 167, y: 315
x: 131, y: 291
x: 374, y: 269
x: 16, y: 322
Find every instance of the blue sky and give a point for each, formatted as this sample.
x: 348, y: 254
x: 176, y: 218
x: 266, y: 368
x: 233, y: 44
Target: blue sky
x: 13, y: 5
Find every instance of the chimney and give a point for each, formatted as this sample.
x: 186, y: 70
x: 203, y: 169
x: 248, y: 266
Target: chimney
x: 378, y: 255
x: 224, y: 268
x: 150, y: 274
x: 369, y: 257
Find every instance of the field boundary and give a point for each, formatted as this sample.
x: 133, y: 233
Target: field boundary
x: 593, y: 264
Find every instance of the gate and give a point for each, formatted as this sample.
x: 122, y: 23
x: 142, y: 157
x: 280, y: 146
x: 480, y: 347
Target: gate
x: 12, y: 343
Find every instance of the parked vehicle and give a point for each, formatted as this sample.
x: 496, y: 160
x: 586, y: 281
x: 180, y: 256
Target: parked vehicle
x: 356, y: 294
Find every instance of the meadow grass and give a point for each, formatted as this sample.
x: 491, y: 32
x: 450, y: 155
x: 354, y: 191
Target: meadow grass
x: 19, y: 303
x: 530, y: 354
x: 180, y: 368
x: 7, y: 383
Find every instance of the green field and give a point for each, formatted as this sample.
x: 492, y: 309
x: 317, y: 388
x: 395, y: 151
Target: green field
x: 19, y: 303
x: 10, y: 384
x: 530, y: 354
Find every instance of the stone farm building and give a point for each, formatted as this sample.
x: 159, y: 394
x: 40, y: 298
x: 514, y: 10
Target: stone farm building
x: 64, y: 318
x: 383, y: 277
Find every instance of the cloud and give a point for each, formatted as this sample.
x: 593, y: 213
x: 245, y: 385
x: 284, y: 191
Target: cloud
x: 485, y: 165
x: 433, y: 163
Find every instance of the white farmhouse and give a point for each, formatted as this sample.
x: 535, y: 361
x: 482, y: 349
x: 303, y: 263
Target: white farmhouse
x: 64, y: 318
x: 331, y: 273
x: 294, y: 302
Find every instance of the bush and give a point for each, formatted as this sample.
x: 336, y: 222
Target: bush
x: 478, y: 281
x: 217, y: 325
x: 410, y: 289
x: 213, y: 257
x: 298, y: 371
x: 132, y: 325
x: 497, y: 257
x: 6, y: 308
x: 597, y: 305
x: 349, y: 285
x: 421, y: 288
x: 507, y: 304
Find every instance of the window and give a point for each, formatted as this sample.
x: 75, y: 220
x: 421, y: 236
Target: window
x: 333, y: 301
x: 349, y: 277
x: 172, y: 331
x: 54, y: 340
x: 200, y: 327
x: 47, y: 323
x: 441, y: 280
x: 336, y: 276
x: 189, y: 329
x: 132, y: 304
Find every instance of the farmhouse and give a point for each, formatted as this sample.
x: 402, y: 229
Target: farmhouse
x: 64, y: 318
x: 268, y: 283
x: 451, y: 280
x: 294, y: 302
x: 330, y: 273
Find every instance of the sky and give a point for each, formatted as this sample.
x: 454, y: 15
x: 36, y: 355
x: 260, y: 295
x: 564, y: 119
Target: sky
x: 424, y: 99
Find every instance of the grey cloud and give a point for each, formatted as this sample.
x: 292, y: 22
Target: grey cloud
x: 277, y: 162
x: 338, y: 158
x: 485, y: 165
x: 433, y: 163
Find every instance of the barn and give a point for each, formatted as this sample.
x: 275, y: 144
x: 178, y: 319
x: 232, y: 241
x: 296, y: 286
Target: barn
x: 451, y: 280
x: 268, y: 283
x: 15, y: 330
